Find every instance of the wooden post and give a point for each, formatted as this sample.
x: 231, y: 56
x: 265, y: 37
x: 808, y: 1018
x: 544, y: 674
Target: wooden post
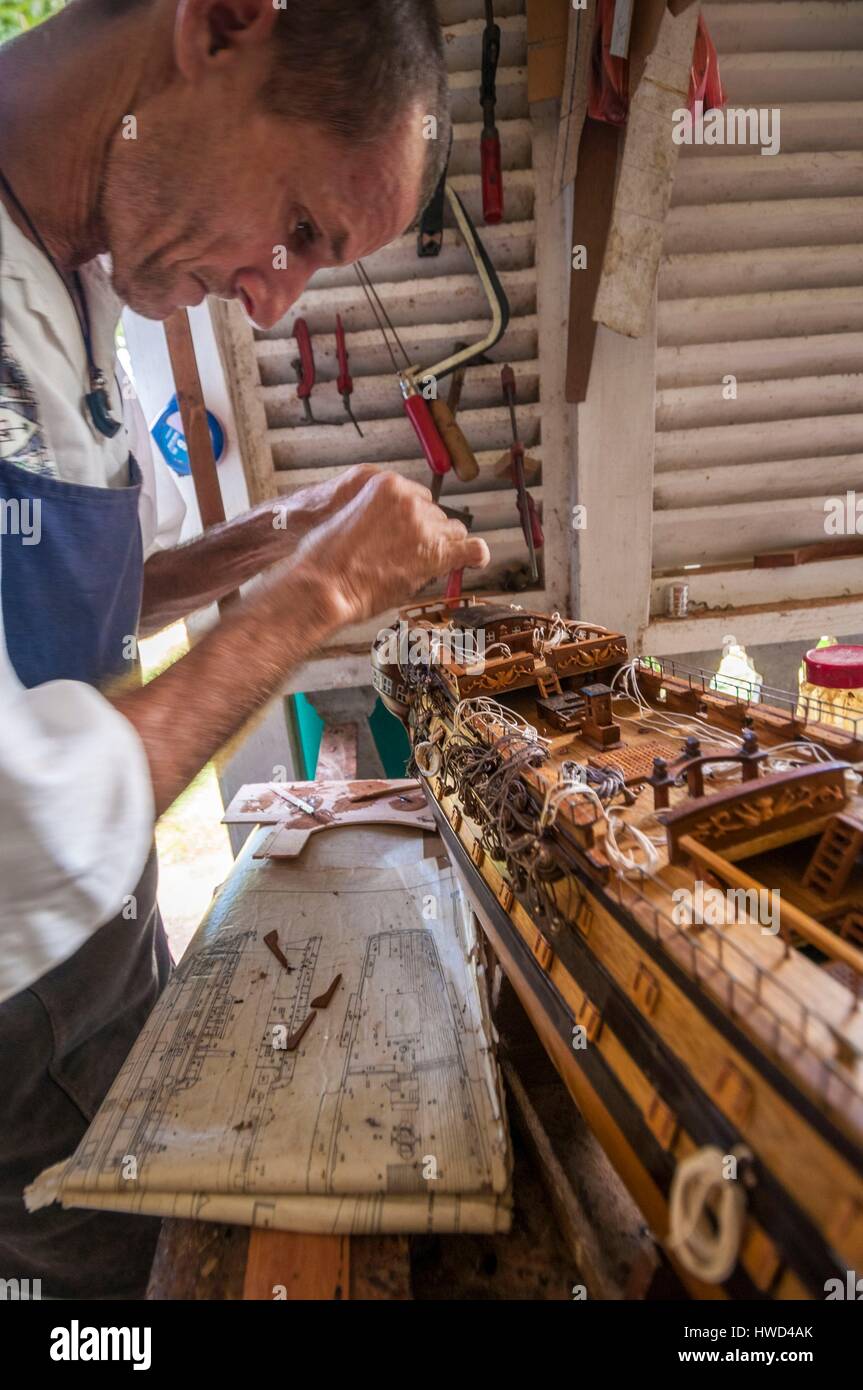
x: 193, y: 411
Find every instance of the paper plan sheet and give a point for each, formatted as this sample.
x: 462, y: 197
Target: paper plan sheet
x: 387, y: 1117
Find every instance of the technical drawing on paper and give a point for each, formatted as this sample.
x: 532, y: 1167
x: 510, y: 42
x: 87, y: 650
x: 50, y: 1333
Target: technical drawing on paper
x: 392, y: 1096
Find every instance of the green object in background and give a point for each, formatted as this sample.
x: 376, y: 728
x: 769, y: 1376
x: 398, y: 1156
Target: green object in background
x: 391, y: 740
x: 16, y: 17
x: 310, y: 729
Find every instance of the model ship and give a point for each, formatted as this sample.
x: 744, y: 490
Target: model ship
x: 670, y: 875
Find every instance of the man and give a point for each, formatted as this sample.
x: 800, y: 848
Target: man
x: 254, y: 127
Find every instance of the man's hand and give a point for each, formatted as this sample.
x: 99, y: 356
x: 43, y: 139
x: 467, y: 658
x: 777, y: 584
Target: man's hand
x: 311, y: 506
x: 385, y: 545
x: 179, y: 581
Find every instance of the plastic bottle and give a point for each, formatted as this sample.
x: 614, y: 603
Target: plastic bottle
x: 834, y: 679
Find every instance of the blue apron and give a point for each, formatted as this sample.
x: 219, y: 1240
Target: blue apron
x: 70, y: 604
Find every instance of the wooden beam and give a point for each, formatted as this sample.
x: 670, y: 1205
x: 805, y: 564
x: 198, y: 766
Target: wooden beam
x: 193, y: 411
x: 306, y: 1267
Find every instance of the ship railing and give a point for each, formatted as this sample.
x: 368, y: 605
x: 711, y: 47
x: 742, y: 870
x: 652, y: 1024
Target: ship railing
x: 798, y: 1033
x: 802, y: 709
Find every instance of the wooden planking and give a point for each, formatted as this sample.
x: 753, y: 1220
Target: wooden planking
x: 805, y: 125
x: 824, y: 1178
x: 760, y: 442
x: 817, y: 74
x: 369, y: 357
x: 463, y: 42
x: 731, y: 179
x: 758, y: 482
x: 775, y: 222
x: 510, y: 246
x: 758, y: 359
x: 788, y: 399
x: 307, y: 1267
x: 417, y: 470
x: 762, y: 280
x: 374, y: 396
x: 782, y: 314
x: 761, y: 25
x: 387, y: 440
x: 734, y: 530
x: 755, y: 623
x: 697, y: 276
x: 719, y: 587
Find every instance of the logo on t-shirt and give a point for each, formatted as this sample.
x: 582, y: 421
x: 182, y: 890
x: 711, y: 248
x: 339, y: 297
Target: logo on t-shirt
x: 22, y: 440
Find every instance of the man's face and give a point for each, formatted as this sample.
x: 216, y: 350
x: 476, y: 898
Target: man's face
x: 216, y: 196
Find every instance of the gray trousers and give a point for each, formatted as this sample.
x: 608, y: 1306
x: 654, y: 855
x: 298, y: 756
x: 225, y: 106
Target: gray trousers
x: 62, y: 1042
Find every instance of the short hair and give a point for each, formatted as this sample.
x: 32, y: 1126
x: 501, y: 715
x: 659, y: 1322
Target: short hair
x: 355, y: 67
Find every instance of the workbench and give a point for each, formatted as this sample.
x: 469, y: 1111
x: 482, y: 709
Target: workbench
x: 574, y: 1228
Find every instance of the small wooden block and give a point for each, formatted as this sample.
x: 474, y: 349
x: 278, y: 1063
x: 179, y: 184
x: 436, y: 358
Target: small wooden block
x: 303, y: 1266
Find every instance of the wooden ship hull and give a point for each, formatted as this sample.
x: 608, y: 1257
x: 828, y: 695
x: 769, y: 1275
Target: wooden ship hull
x: 718, y: 1060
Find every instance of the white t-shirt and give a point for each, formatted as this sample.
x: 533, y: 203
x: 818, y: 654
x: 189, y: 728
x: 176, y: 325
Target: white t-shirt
x: 76, y: 801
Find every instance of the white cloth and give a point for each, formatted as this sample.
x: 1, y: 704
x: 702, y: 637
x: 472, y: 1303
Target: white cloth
x: 76, y: 800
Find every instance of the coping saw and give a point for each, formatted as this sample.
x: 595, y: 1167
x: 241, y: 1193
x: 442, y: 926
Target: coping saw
x: 428, y: 423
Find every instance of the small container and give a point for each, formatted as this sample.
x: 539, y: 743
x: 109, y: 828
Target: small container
x: 834, y: 679
x: 677, y: 600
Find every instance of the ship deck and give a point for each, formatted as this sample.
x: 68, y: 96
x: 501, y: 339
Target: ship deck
x: 799, y: 1004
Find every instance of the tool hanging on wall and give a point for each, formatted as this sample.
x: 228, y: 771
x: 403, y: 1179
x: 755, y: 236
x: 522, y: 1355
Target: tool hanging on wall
x: 528, y: 515
x: 430, y: 234
x: 430, y: 417
x: 345, y: 381
x: 492, y: 178
x: 304, y: 366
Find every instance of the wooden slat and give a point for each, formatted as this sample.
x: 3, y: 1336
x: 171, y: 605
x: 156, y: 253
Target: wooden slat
x: 833, y: 174
x: 814, y: 75
x: 781, y: 315
x: 450, y: 298
x: 759, y: 482
x: 429, y: 342
x: 307, y: 1267
x: 723, y: 587
x: 379, y: 398
x: 765, y: 26
x: 805, y: 125
x: 759, y: 359
x: 789, y: 399
x: 385, y: 440
x: 759, y: 442
x: 696, y: 276
x: 732, y: 530
x: 755, y: 623
x: 777, y: 222
x: 417, y: 470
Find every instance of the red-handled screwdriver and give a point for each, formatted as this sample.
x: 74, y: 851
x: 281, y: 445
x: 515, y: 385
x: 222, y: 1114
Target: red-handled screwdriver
x: 416, y: 405
x: 345, y: 381
x: 425, y: 429
x: 304, y: 366
x: 492, y: 179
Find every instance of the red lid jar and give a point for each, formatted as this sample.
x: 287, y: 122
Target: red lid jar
x: 836, y: 668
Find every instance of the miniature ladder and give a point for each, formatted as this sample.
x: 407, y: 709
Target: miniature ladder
x: 835, y: 856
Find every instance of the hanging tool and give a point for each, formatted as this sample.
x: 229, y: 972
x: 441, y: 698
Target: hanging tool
x: 430, y: 234
x: 492, y: 179
x: 528, y: 515
x: 416, y: 405
x: 304, y: 366
x: 345, y: 382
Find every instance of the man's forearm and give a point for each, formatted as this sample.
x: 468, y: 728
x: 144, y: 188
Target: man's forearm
x: 190, y: 577
x: 189, y: 712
